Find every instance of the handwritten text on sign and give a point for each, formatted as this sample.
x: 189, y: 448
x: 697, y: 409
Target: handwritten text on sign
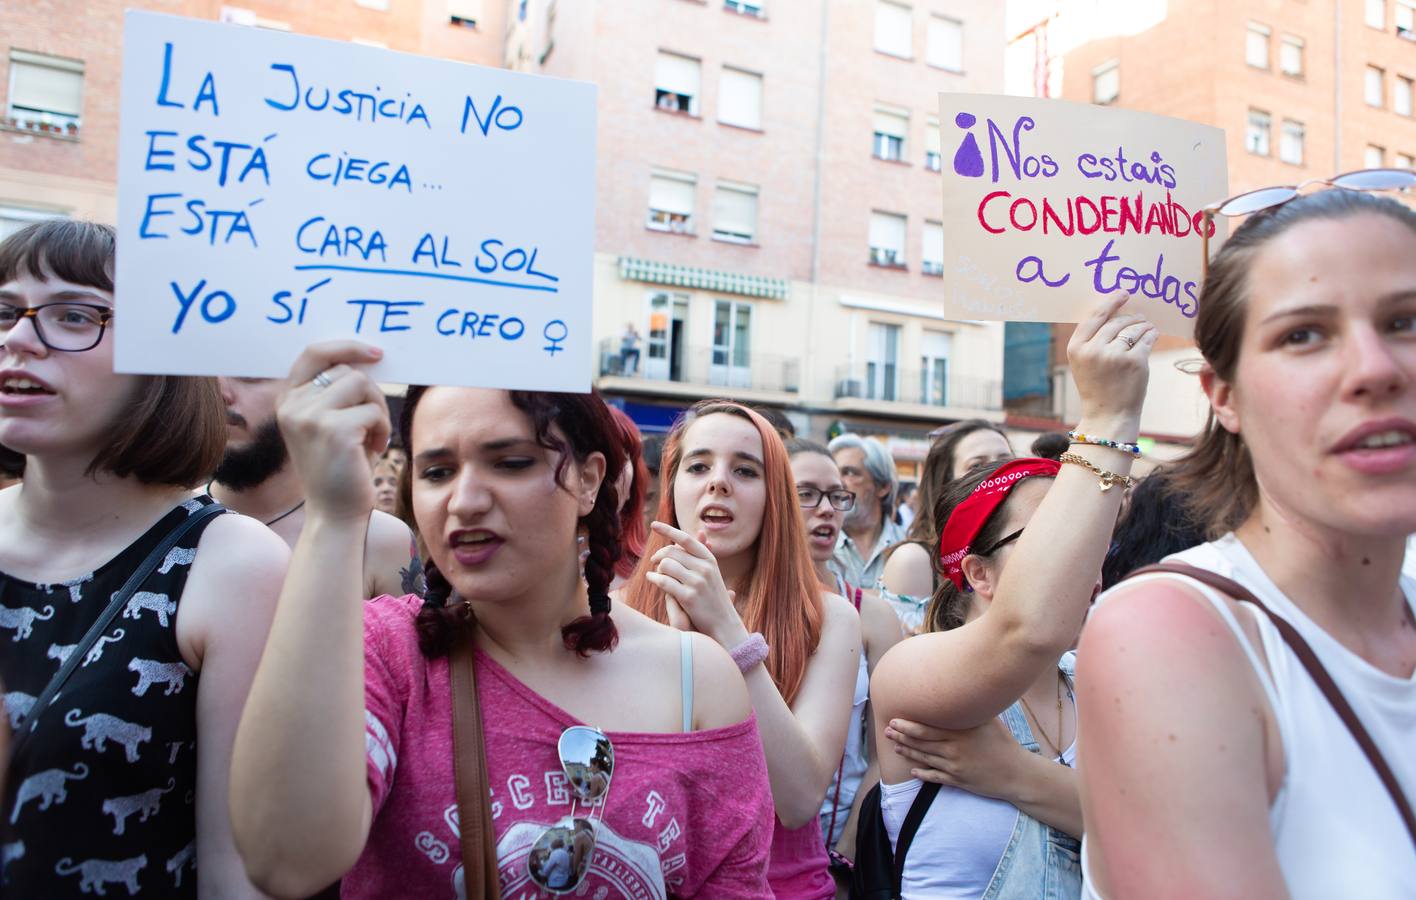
x: 1048, y: 204
x: 276, y: 190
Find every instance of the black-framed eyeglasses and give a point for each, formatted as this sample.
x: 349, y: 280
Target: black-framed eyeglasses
x: 1000, y: 543
x: 1251, y: 202
x: 560, y: 858
x: 810, y: 498
x: 67, y: 327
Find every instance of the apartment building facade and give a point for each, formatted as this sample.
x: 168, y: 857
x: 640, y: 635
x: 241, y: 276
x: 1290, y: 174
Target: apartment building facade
x: 768, y: 186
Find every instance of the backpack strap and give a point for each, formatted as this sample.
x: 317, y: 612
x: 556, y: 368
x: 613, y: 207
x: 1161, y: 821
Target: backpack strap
x: 922, y: 801
x: 1316, y: 671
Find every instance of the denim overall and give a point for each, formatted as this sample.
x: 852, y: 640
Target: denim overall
x: 1039, y: 863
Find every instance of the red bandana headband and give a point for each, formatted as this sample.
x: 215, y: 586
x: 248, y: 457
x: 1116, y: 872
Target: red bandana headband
x: 956, y: 540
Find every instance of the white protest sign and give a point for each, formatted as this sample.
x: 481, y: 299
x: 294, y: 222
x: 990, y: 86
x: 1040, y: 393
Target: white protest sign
x: 276, y: 190
x: 1049, y: 203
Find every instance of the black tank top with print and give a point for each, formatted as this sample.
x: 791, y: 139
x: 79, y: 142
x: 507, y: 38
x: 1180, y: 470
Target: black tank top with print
x: 101, y: 797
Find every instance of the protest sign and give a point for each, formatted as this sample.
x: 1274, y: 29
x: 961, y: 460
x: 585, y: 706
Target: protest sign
x: 1048, y: 204
x: 276, y: 190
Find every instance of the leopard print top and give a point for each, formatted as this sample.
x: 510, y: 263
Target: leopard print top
x: 101, y: 796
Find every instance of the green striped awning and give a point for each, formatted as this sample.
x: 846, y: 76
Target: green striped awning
x: 654, y: 272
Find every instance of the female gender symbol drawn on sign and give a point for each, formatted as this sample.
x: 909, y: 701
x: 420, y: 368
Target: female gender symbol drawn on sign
x: 554, y: 346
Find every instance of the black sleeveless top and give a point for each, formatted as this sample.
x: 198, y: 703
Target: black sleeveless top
x: 102, y: 794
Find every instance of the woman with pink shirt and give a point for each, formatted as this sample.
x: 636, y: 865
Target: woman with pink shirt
x: 344, y: 764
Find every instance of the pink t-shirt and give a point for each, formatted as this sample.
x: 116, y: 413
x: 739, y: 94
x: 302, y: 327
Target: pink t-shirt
x: 800, y: 868
x: 686, y: 815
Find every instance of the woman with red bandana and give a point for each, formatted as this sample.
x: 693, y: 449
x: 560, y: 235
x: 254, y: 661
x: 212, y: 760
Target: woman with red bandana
x: 1020, y: 556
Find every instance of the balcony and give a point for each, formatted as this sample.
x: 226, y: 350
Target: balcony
x: 698, y: 372
x: 880, y: 388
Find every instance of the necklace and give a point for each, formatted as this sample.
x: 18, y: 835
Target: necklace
x: 268, y: 522
x: 1051, y: 744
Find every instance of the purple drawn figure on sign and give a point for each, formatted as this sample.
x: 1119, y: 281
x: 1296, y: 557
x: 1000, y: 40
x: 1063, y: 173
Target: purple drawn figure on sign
x: 968, y: 160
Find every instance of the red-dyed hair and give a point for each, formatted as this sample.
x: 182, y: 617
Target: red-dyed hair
x: 633, y: 532
x: 783, y: 597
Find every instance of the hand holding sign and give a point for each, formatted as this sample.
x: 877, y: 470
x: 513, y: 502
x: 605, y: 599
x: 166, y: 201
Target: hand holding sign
x: 1048, y: 203
x: 1109, y: 355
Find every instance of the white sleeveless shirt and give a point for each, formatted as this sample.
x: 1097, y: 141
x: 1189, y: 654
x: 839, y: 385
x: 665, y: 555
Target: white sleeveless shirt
x: 1335, y: 829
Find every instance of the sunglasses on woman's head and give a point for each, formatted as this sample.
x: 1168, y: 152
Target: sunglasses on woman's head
x: 1251, y: 202
x: 560, y: 858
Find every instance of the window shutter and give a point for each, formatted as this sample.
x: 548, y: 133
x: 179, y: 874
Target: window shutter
x: 676, y: 74
x: 931, y: 137
x: 892, y: 28
x: 946, y: 43
x: 892, y: 123
x: 47, y: 83
x: 887, y: 231
x: 671, y: 193
x: 466, y: 10
x: 735, y: 210
x: 740, y: 98
x: 933, y: 242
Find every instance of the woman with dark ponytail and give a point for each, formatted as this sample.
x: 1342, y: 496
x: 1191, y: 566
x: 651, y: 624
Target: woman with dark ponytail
x: 344, y: 764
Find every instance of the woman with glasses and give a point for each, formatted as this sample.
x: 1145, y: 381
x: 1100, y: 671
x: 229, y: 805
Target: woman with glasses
x: 123, y: 715
x: 1216, y: 763
x: 979, y: 711
x: 824, y: 501
x: 909, y: 578
x: 728, y: 559
x: 621, y: 755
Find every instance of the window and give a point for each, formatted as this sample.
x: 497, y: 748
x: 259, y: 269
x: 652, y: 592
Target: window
x: 931, y: 256
x: 893, y: 29
x: 1401, y: 97
x: 46, y: 92
x: 550, y: 35
x: 931, y: 145
x: 746, y: 7
x: 935, y: 349
x: 1405, y: 16
x: 1106, y: 82
x: 882, y: 368
x: 1290, y: 56
x: 1290, y: 142
x: 664, y: 338
x: 1373, y: 89
x: 1375, y: 157
x: 1256, y: 135
x: 1256, y: 46
x: 732, y: 344
x: 891, y: 127
x: 381, y: 5
x: 740, y: 98
x: 1376, y: 13
x: 1403, y: 161
x: 676, y: 83
x: 735, y: 212
x: 464, y: 12
x: 945, y: 44
x: 13, y: 218
x: 671, y: 201
x: 247, y: 18
x: 887, y: 239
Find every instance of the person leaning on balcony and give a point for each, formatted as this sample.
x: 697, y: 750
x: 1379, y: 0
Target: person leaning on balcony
x: 870, y: 529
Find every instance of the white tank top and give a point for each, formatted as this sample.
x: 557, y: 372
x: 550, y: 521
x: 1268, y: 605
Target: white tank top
x: 1335, y: 829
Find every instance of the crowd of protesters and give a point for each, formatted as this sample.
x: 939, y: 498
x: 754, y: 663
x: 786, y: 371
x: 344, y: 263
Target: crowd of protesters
x: 255, y: 640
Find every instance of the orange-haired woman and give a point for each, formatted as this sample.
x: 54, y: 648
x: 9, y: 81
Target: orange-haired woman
x: 728, y: 558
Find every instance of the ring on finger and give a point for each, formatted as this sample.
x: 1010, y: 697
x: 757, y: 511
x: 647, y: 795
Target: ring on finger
x: 322, y: 379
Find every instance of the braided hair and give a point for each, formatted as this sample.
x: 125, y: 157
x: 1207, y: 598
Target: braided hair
x: 587, y: 427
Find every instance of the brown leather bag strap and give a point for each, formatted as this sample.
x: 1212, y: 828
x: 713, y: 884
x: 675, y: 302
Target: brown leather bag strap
x: 474, y: 804
x: 1316, y: 671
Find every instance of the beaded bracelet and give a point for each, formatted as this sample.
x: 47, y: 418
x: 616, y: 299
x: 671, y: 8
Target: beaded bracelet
x: 1077, y: 437
x: 1108, y: 479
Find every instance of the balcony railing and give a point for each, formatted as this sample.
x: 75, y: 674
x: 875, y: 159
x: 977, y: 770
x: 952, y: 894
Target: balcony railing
x: 891, y: 384
x: 702, y: 367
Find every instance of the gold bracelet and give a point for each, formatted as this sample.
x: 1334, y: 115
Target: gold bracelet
x: 1108, y: 479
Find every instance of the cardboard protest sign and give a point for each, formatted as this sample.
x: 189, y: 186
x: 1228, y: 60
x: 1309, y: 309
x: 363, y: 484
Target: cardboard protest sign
x: 276, y: 190
x: 1048, y: 204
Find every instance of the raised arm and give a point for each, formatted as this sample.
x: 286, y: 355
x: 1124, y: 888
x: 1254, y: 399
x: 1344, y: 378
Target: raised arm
x: 964, y: 677
x: 224, y: 617
x: 300, y: 804
x: 1179, y: 761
